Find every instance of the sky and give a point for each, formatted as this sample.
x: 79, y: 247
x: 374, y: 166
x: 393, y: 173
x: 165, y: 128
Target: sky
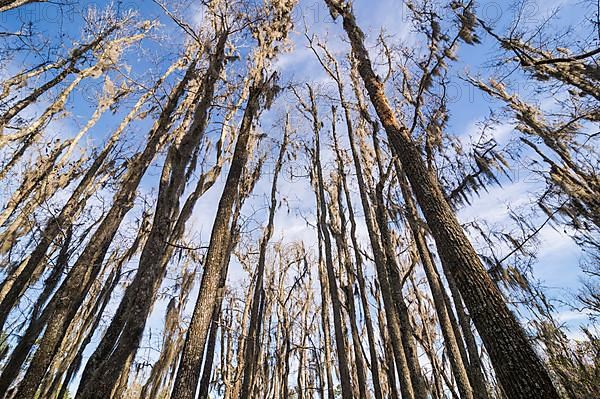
x: 558, y: 257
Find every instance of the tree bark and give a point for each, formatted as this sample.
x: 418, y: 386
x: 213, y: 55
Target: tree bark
x: 187, y: 378
x: 520, y: 370
x: 72, y: 291
x: 345, y: 381
x: 255, y: 325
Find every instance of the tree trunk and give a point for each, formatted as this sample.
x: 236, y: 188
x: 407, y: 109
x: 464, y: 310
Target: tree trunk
x: 388, y: 350
x: 344, y: 369
x: 520, y: 370
x: 391, y: 269
x: 437, y: 291
x: 255, y: 326
x: 375, y: 372
x: 406, y: 385
x: 475, y: 366
x: 189, y: 369
x: 338, y: 228
x: 122, y: 337
x: 72, y: 291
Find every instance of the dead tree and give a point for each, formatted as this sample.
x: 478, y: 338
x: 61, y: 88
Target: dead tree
x: 89, y: 183
x: 125, y: 332
x: 187, y: 375
x: 325, y: 238
x: 337, y: 225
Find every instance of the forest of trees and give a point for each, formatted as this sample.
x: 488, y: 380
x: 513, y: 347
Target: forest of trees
x: 189, y: 210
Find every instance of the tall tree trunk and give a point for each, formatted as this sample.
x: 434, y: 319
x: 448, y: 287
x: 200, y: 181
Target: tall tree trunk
x: 189, y: 369
x: 520, y: 370
x: 345, y: 381
x: 409, y: 387
x: 375, y: 371
x: 451, y: 340
x: 72, y: 291
x: 338, y: 228
x: 334, y: 73
x: 388, y: 358
x: 325, y: 325
x: 426, y: 339
x: 209, y: 355
x: 122, y: 337
x: 255, y: 325
x: 247, y: 186
x: 172, y: 341
x: 406, y: 385
x: 479, y: 384
x: 238, y: 369
x: 209, y: 352
x: 96, y: 312
x: 391, y: 270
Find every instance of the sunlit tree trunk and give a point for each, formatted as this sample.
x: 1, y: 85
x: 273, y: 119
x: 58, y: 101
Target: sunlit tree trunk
x: 333, y: 71
x: 375, y: 371
x: 317, y: 177
x: 122, y: 337
x: 337, y: 226
x: 391, y: 265
x: 518, y: 367
x: 387, y: 357
x: 393, y: 324
x: 189, y: 368
x: 255, y: 324
x: 72, y: 291
x: 437, y: 291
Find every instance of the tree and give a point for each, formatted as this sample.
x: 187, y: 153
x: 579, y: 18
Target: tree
x: 113, y: 212
x: 261, y: 92
x: 519, y: 368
